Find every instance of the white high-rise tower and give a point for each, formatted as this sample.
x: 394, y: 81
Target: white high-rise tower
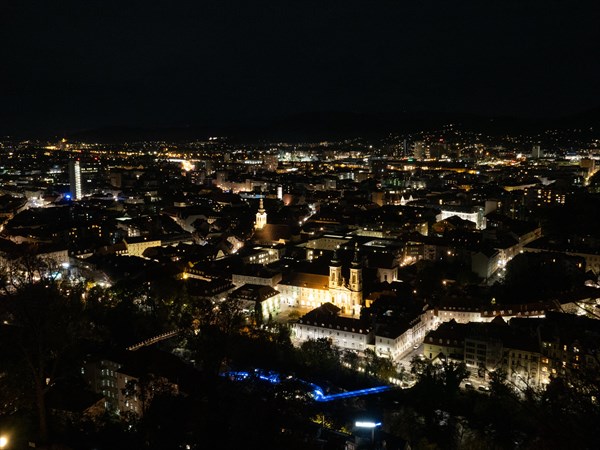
x: 75, y: 180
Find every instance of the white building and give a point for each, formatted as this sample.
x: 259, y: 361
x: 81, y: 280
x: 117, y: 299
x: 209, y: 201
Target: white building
x: 136, y: 245
x: 259, y: 277
x: 324, y: 322
x: 313, y: 290
x: 258, y: 298
x: 394, y: 341
x: 262, y: 254
x: 75, y: 180
x: 473, y: 214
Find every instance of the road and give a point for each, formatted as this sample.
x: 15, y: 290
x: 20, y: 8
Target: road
x: 405, y: 359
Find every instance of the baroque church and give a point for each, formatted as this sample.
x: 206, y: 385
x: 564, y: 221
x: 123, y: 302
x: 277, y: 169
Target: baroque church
x: 309, y: 290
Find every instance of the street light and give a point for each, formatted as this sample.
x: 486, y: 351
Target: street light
x: 361, y: 424
x: 368, y: 424
x: 3, y: 441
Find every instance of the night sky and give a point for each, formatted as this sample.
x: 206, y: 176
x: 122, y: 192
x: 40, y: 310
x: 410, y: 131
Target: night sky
x: 69, y: 65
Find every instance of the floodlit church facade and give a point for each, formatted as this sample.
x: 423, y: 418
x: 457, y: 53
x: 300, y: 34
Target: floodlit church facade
x: 312, y: 290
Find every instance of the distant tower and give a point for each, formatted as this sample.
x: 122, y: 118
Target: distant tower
x: 280, y: 192
x: 261, y: 217
x: 75, y: 180
x: 536, y: 152
x: 335, y: 272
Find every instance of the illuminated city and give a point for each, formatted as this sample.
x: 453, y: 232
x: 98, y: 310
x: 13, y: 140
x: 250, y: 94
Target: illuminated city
x: 366, y: 225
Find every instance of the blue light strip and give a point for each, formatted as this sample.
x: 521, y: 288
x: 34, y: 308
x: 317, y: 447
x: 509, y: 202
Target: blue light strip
x: 317, y: 391
x: 358, y: 393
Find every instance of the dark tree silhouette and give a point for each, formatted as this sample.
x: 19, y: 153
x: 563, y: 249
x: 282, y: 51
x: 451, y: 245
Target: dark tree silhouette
x: 43, y: 328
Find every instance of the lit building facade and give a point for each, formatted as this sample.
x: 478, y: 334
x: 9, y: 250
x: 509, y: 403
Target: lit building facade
x: 75, y: 180
x: 261, y: 217
x: 312, y: 290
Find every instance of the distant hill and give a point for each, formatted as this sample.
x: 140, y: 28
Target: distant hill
x: 118, y: 134
x: 343, y: 124
x: 585, y: 119
x: 337, y: 125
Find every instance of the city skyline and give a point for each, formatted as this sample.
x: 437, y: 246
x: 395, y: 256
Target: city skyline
x: 353, y: 276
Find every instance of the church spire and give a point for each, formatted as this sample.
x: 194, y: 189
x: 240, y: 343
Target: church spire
x: 356, y: 260
x: 261, y: 216
x: 335, y: 261
x: 335, y: 271
x: 355, y: 284
x: 335, y: 254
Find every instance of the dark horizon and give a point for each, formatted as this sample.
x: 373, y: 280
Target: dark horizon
x: 310, y: 119
x: 79, y: 66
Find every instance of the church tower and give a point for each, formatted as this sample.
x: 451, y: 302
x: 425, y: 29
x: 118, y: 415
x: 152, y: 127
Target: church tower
x: 355, y: 284
x: 261, y: 217
x: 335, y: 272
x: 355, y: 273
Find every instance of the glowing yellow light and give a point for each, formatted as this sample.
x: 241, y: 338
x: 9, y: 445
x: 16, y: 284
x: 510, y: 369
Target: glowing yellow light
x: 187, y: 166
